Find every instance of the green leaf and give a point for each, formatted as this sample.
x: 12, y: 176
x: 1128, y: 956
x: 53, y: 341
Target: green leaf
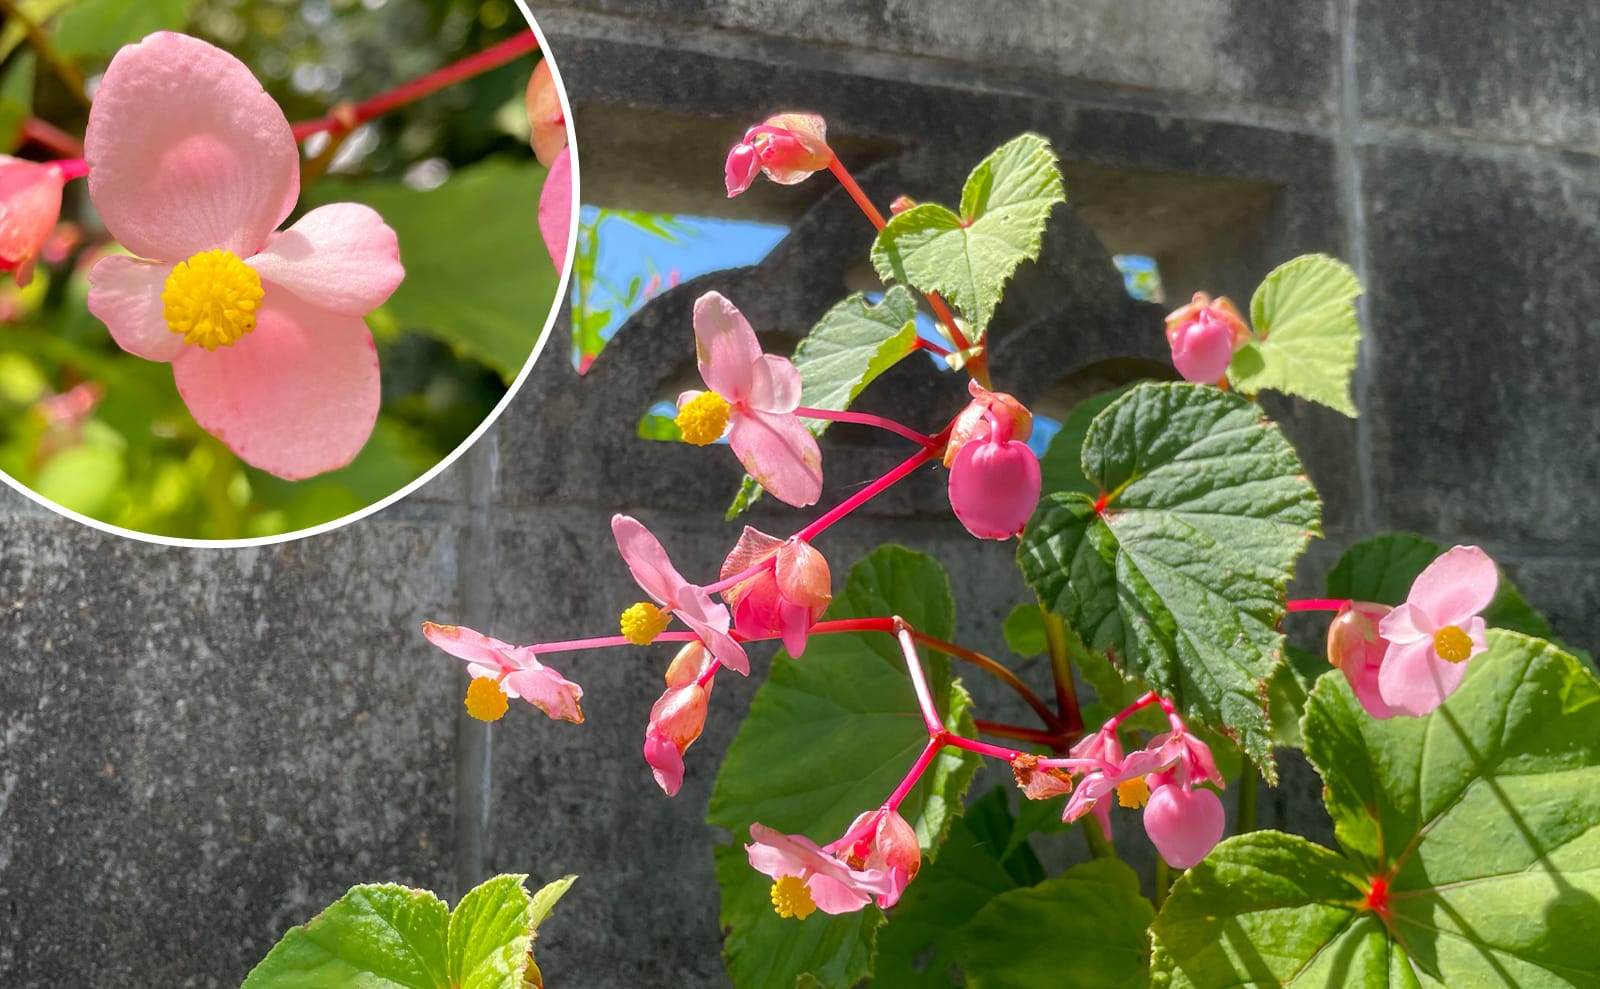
x: 392, y: 937
x: 83, y: 478
x: 1061, y: 467
x: 487, y: 287
x: 16, y: 101
x: 1288, y: 691
x: 1181, y: 577
x: 749, y: 493
x: 1085, y: 928
x: 968, y: 258
x: 852, y: 344
x: 1382, y: 570
x: 544, y: 901
x: 1480, y: 817
x: 827, y: 738
x: 1024, y: 630
x: 99, y: 27
x: 1307, y: 335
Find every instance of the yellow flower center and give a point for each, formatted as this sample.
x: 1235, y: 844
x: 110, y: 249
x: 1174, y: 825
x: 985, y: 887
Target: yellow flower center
x: 1133, y: 793
x: 704, y: 418
x: 1452, y: 644
x: 485, y: 700
x: 211, y: 299
x: 643, y: 622
x: 791, y: 898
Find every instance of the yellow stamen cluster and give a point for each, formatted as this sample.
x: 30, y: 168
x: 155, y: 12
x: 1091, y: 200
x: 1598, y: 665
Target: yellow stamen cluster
x: 1452, y: 644
x: 1133, y: 793
x: 704, y: 418
x: 643, y: 622
x: 791, y: 898
x: 485, y: 700
x: 211, y: 299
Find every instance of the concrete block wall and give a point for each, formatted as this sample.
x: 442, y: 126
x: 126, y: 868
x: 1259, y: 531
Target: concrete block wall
x: 199, y: 748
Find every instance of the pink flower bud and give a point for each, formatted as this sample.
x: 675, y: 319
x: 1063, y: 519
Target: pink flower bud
x: 676, y: 721
x: 1203, y: 336
x: 882, y: 841
x: 785, y: 599
x: 900, y: 205
x: 994, y: 479
x: 1184, y: 824
x: 666, y: 763
x: 30, y: 204
x: 788, y: 148
x: 974, y: 420
x: 545, y: 116
x: 1356, y: 649
x: 688, y: 665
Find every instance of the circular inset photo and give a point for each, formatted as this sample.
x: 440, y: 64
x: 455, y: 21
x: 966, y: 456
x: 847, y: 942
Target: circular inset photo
x: 268, y: 266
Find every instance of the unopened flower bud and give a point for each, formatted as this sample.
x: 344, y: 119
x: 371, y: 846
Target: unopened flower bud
x: 687, y: 666
x: 975, y: 420
x: 900, y: 205
x: 676, y: 721
x: 1183, y: 823
x: 785, y: 599
x: 1203, y: 336
x: 30, y: 205
x: 788, y: 148
x: 1356, y: 649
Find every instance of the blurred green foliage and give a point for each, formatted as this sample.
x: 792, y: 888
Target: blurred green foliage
x: 452, y: 173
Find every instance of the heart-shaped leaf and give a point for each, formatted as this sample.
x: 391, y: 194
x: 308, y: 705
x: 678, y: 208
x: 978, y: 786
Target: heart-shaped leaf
x: 1307, y: 335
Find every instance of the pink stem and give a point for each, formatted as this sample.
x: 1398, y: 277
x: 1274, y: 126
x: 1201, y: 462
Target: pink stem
x: 982, y: 748
x: 848, y: 181
x: 919, y: 683
x: 929, y: 753
x: 710, y: 671
x: 866, y: 419
x: 1129, y: 711
x: 72, y: 168
x: 1319, y: 604
x: 476, y: 64
x: 866, y: 494
x: 606, y: 641
x: 1071, y: 764
x: 743, y: 575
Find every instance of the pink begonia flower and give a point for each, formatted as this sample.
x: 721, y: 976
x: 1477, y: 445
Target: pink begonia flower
x: 515, y: 669
x: 807, y: 878
x: 784, y: 599
x: 994, y: 477
x: 758, y: 394
x: 788, y: 147
x: 1203, y: 336
x: 555, y: 209
x: 547, y: 122
x: 30, y: 204
x: 678, y: 716
x: 192, y: 167
x: 1175, y: 754
x: 647, y: 561
x: 881, y: 841
x: 1183, y: 822
x: 1436, y: 631
x: 1357, y: 650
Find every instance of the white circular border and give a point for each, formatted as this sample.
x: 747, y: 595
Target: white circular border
x: 454, y: 455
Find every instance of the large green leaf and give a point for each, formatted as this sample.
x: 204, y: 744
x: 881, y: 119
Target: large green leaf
x: 1181, y: 574
x: 852, y: 344
x: 1479, y: 819
x: 1307, y: 335
x: 100, y: 27
x: 827, y: 738
x: 1061, y: 466
x: 968, y: 258
x: 485, y: 289
x: 393, y: 937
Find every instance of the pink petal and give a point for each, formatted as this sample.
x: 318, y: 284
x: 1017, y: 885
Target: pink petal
x: 547, y: 690
x: 295, y: 397
x: 187, y: 152
x: 781, y: 454
x: 125, y: 294
x: 774, y: 385
x: 833, y: 896
x: 1414, y: 680
x: 794, y: 623
x: 727, y: 651
x: 666, y: 765
x: 1406, y: 624
x: 1202, y: 350
x: 30, y: 205
x: 725, y: 345
x: 647, y: 561
x: 555, y: 209
x: 342, y: 258
x: 776, y: 854
x: 1184, y: 824
x: 994, y: 487
x: 740, y: 169
x: 1456, y: 586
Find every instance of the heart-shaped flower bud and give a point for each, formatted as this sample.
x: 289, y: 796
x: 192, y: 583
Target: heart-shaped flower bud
x: 1356, y: 649
x: 785, y: 599
x: 1183, y: 823
x: 30, y: 204
x: 788, y: 148
x: 1203, y: 336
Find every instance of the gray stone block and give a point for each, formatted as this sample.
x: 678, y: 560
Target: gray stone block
x: 1503, y: 69
x: 200, y: 749
x: 1487, y: 315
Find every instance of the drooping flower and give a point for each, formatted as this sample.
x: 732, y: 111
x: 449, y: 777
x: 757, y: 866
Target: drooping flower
x: 1203, y: 336
x: 807, y: 878
x: 994, y: 477
x: 546, y: 120
x: 1184, y: 822
x: 192, y: 166
x: 678, y: 717
x: 501, y: 670
x: 881, y: 841
x: 30, y: 204
x: 1433, y: 634
x: 752, y: 398
x: 788, y: 147
x: 1357, y: 650
x: 555, y: 209
x: 641, y: 623
x: 784, y: 599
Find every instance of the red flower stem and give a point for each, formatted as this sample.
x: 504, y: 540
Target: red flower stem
x: 978, y: 659
x: 606, y: 641
x: 1072, y: 765
x: 710, y: 671
x: 1129, y: 711
x: 931, y: 347
x: 981, y: 748
x: 1172, y: 715
x: 866, y: 419
x: 871, y: 491
x: 906, y: 785
x: 1319, y: 604
x: 349, y: 118
x: 1019, y: 733
x: 919, y: 683
x: 71, y: 168
x: 848, y: 181
x: 52, y: 138
x: 743, y: 575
